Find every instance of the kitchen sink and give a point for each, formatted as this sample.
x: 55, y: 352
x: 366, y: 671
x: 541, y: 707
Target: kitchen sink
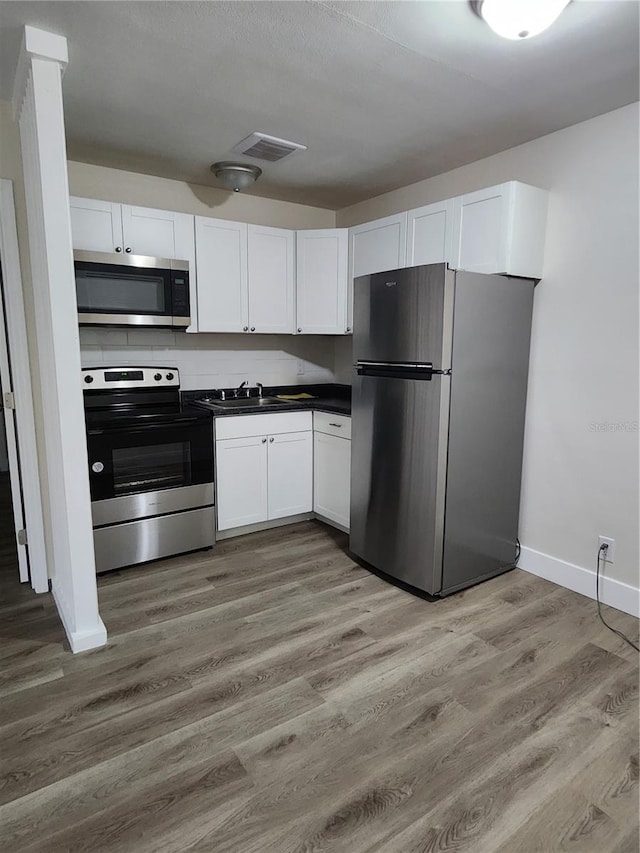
x: 248, y: 402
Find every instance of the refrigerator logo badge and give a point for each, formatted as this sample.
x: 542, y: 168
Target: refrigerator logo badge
x: 391, y: 283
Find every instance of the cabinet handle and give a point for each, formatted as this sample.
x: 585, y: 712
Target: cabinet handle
x: 348, y: 328
x: 128, y: 250
x: 271, y: 440
x: 118, y: 248
x: 264, y: 440
x: 299, y: 330
x: 245, y: 328
x: 339, y: 426
x: 253, y: 328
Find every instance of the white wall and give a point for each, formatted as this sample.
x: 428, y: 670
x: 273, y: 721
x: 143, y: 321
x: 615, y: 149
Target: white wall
x: 89, y: 181
x: 214, y: 361
x: 581, y: 445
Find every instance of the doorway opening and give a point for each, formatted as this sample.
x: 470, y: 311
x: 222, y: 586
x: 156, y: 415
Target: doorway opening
x: 8, y: 550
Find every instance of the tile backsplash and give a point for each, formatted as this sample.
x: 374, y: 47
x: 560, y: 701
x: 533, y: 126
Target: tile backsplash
x: 214, y: 361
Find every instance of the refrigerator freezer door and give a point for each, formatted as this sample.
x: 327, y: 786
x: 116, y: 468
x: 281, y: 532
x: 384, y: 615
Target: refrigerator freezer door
x: 403, y: 316
x: 398, y: 464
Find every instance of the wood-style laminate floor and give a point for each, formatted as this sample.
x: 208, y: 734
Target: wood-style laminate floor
x: 273, y: 697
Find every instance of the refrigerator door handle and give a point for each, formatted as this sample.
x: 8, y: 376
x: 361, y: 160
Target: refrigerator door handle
x: 423, y: 370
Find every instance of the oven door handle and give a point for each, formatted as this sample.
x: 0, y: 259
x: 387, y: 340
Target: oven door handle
x: 145, y: 427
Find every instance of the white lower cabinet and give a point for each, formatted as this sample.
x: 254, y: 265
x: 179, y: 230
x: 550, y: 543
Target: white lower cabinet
x: 241, y: 467
x: 290, y: 474
x: 332, y: 468
x: 264, y: 467
x: 331, y: 485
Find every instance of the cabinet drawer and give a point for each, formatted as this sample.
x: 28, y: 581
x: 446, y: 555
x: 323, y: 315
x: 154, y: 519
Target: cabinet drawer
x: 244, y: 426
x: 339, y: 425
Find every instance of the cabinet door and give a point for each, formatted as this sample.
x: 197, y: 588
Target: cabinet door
x: 290, y: 474
x: 157, y: 233
x: 321, y: 281
x: 271, y: 279
x: 480, y: 234
x: 375, y: 247
x: 221, y: 265
x: 429, y: 234
x: 241, y: 481
x: 96, y: 226
x: 332, y: 478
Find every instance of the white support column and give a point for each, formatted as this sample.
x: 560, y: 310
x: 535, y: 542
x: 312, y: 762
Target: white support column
x: 38, y: 107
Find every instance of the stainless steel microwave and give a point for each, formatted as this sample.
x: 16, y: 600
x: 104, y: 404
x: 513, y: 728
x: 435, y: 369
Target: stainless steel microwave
x: 131, y: 290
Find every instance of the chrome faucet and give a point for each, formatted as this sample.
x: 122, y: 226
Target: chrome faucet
x: 259, y: 386
x: 240, y: 388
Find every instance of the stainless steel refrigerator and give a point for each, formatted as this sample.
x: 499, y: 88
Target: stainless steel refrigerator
x: 441, y: 361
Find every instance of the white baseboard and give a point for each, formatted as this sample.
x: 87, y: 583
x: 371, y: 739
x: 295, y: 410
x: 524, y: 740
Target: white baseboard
x: 80, y: 641
x: 615, y: 593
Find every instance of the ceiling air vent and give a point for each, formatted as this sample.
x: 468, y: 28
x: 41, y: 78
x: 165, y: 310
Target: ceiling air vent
x: 265, y: 147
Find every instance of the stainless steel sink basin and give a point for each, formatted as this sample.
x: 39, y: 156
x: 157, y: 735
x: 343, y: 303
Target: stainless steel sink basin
x: 248, y: 402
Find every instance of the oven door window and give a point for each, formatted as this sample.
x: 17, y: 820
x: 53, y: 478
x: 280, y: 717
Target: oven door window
x: 128, y: 461
x: 146, y: 469
x: 123, y: 292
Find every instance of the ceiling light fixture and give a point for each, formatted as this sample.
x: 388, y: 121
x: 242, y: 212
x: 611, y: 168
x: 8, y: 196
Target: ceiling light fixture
x: 519, y: 19
x: 236, y: 176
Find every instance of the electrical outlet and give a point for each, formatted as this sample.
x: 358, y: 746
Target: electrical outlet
x: 610, y: 554
x: 300, y: 368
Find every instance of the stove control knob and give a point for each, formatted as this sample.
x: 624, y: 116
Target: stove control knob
x: 88, y: 379
x: 157, y: 376
x: 169, y: 376
x: 97, y: 467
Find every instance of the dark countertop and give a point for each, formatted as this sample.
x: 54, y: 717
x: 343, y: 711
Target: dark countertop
x: 327, y: 397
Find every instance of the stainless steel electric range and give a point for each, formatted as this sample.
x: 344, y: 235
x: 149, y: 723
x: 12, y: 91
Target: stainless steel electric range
x: 150, y: 466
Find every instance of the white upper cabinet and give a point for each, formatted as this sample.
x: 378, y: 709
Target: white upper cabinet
x: 102, y: 226
x: 375, y: 247
x: 430, y: 234
x: 246, y: 277
x: 96, y: 226
x: 501, y: 230
x: 321, y: 281
x: 379, y: 246
x: 271, y: 279
x: 158, y: 233
x: 221, y: 261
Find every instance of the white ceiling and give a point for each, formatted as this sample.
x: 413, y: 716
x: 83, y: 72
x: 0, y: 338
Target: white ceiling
x: 382, y: 93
